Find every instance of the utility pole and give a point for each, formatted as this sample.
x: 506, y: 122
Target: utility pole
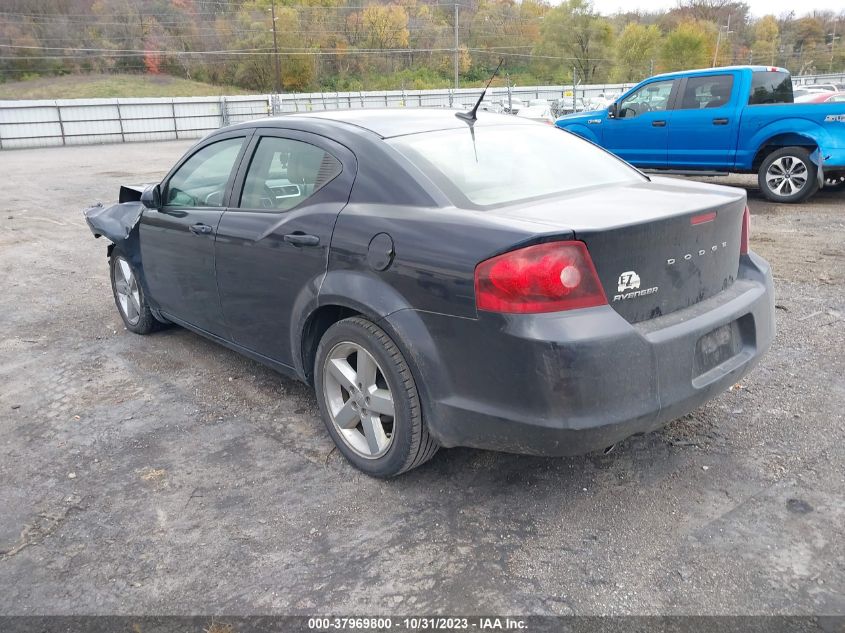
x: 574, y: 100
x: 276, y: 83
x: 510, y: 96
x: 457, y: 48
x: 833, y: 38
x: 719, y: 38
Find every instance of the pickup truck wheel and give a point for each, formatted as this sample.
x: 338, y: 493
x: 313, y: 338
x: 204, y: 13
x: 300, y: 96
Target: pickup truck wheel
x: 788, y: 175
x: 369, y: 400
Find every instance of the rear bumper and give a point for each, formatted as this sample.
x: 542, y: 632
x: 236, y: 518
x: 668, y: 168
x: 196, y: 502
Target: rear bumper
x: 568, y: 383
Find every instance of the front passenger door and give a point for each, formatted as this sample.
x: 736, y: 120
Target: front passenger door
x: 177, y: 240
x: 639, y: 133
x: 273, y: 241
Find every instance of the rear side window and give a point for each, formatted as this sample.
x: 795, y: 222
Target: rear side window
x: 770, y: 87
x: 283, y: 173
x: 707, y: 92
x: 497, y: 165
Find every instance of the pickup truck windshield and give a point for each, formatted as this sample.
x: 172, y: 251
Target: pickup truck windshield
x: 508, y: 163
x: 770, y: 87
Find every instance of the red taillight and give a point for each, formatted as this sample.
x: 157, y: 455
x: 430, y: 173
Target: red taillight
x: 746, y: 231
x: 547, y: 277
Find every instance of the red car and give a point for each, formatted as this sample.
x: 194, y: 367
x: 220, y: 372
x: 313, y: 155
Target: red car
x: 827, y: 97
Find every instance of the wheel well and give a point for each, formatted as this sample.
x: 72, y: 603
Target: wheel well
x: 320, y: 321
x: 779, y: 142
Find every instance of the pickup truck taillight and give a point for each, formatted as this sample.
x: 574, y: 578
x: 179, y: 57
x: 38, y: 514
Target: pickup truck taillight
x: 746, y: 231
x: 548, y: 277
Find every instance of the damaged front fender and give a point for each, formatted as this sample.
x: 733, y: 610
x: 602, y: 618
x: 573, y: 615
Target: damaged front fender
x: 119, y: 224
x: 116, y: 222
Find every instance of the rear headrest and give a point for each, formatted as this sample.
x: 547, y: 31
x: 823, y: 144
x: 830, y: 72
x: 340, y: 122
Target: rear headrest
x: 304, y: 164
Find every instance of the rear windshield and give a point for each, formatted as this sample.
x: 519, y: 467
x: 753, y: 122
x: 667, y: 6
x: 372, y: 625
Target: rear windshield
x: 770, y: 87
x: 510, y: 163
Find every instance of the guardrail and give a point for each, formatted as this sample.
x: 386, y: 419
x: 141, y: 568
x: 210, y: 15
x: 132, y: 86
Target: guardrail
x: 87, y: 121
x: 45, y: 123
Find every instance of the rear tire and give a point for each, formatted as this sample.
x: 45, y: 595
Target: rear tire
x: 369, y: 400
x: 788, y: 175
x: 129, y: 295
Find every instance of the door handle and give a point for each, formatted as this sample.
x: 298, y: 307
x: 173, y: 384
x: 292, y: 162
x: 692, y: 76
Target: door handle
x: 301, y: 239
x: 201, y: 229
x: 658, y: 123
x: 720, y: 121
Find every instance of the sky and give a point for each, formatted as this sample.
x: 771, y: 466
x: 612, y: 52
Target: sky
x: 758, y: 7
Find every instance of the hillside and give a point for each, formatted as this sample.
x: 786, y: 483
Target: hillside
x: 89, y: 86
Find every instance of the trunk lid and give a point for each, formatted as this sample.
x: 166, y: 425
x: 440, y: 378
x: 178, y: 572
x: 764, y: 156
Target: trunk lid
x: 658, y: 247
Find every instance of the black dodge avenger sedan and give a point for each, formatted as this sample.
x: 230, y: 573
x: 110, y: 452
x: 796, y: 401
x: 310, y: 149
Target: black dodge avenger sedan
x: 445, y: 281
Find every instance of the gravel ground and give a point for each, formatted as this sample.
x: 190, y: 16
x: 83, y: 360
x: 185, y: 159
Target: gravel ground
x: 165, y: 474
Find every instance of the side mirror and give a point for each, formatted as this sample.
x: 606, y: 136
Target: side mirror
x: 151, y: 197
x: 613, y: 111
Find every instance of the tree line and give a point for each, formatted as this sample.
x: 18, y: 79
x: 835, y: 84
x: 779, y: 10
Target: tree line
x: 360, y: 44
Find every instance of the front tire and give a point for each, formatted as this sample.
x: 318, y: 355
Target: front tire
x: 788, y: 175
x: 129, y: 295
x: 369, y: 400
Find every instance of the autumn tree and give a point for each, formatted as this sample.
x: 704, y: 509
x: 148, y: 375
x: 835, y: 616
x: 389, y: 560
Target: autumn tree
x: 578, y: 37
x: 687, y: 47
x: 765, y: 44
x: 637, y: 47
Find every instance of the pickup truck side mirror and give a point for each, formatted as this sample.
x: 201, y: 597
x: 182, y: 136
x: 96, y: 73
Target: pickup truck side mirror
x: 613, y: 110
x: 151, y: 197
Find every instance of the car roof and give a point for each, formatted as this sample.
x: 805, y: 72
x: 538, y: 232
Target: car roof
x: 716, y: 70
x: 387, y: 122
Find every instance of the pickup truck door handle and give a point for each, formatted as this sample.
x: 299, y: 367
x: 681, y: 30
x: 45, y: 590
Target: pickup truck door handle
x: 301, y: 239
x: 720, y: 121
x: 658, y: 123
x: 201, y: 229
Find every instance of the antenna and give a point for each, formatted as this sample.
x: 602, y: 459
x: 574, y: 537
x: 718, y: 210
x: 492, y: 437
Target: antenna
x: 471, y: 115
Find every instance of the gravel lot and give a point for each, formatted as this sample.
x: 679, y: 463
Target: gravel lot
x: 165, y: 474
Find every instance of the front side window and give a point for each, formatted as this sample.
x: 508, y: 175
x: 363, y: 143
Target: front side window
x: 770, y: 87
x: 474, y: 170
x: 283, y: 173
x: 201, y: 181
x: 707, y: 92
x: 653, y: 97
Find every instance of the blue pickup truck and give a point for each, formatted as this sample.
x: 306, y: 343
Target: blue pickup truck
x: 737, y: 119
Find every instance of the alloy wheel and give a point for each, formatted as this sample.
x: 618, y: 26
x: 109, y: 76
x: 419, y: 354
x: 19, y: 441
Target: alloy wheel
x: 359, y: 400
x: 787, y: 175
x: 126, y: 288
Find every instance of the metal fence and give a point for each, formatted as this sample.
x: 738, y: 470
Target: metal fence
x: 87, y: 121
x: 45, y: 123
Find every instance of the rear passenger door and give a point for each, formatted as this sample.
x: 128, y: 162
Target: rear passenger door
x: 273, y: 241
x: 703, y: 124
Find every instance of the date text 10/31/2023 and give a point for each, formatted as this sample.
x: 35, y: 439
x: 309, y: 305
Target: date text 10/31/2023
x: 416, y: 624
